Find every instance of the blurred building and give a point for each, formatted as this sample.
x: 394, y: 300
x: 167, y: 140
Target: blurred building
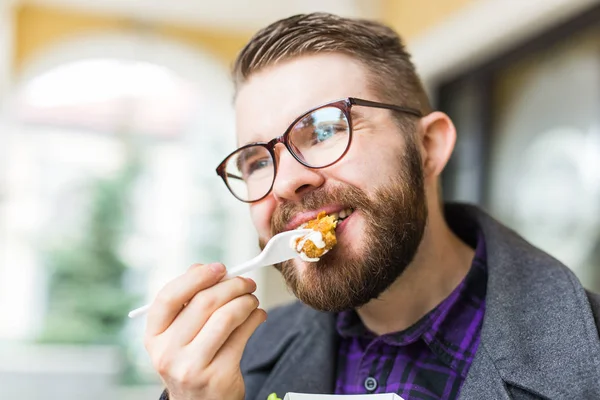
x: 88, y: 87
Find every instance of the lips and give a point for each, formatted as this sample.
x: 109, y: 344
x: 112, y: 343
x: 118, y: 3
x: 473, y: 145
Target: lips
x: 338, y: 212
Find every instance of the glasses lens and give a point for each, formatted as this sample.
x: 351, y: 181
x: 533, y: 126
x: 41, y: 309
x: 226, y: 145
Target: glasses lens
x: 249, y: 172
x: 321, y: 137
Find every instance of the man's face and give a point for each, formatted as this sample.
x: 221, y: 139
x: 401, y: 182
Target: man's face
x: 380, y: 178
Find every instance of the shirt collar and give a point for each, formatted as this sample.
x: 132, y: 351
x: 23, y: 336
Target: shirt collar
x: 445, y: 327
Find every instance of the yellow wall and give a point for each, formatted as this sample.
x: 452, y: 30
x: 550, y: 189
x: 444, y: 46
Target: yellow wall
x: 39, y: 28
x: 411, y: 18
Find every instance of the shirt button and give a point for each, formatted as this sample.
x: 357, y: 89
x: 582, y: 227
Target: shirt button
x: 370, y: 384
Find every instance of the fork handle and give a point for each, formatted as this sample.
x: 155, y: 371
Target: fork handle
x: 243, y: 268
x: 235, y: 271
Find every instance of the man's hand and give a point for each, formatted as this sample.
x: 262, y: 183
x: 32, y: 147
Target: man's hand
x: 197, y: 349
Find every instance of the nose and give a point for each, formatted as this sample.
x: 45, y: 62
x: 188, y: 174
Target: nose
x: 293, y: 180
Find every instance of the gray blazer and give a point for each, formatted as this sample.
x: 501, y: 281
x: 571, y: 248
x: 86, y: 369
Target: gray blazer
x: 539, y: 338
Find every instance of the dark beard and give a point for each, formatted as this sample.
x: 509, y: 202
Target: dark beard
x: 395, y: 218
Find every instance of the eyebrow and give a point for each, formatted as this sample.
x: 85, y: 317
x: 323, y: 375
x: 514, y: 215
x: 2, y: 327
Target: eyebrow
x: 246, y: 154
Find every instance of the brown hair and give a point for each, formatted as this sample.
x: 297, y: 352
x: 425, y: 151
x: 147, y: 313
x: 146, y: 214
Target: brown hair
x: 376, y: 46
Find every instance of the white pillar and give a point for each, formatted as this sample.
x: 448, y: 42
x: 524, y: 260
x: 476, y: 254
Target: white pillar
x: 7, y: 36
x: 19, y: 278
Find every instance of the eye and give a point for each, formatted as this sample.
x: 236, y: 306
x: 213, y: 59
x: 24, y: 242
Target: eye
x: 255, y: 166
x: 323, y: 133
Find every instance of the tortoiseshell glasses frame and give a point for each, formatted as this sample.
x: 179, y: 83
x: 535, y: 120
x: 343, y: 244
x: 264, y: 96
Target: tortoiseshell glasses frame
x: 232, y: 161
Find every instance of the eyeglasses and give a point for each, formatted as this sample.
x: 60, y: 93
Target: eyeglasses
x: 317, y: 139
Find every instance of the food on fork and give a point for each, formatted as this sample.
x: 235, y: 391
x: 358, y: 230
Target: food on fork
x: 314, y: 245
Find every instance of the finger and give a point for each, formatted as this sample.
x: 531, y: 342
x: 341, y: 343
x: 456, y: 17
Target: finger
x: 192, y: 318
x: 175, y: 294
x: 220, y: 325
x: 233, y: 348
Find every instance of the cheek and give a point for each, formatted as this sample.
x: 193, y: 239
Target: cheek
x: 261, y: 214
x: 367, y: 165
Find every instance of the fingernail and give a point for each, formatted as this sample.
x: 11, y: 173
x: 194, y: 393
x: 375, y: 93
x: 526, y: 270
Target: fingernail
x: 217, y: 268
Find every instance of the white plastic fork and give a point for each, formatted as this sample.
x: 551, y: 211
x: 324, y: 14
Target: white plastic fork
x: 277, y: 250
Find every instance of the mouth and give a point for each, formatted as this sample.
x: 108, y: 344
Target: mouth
x: 341, y: 216
x: 341, y: 219
x: 301, y: 220
x: 311, y: 247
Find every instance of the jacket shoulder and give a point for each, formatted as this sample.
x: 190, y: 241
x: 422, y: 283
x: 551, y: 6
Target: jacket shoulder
x: 280, y: 327
x: 270, y: 340
x: 285, y: 313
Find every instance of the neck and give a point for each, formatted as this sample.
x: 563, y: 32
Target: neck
x: 441, y: 263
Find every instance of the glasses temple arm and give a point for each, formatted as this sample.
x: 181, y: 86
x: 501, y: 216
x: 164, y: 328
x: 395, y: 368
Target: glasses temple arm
x: 367, y: 103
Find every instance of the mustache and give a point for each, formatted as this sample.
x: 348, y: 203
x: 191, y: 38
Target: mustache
x: 347, y: 195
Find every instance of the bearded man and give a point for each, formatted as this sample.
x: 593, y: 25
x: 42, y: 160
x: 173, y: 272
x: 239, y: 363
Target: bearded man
x: 418, y: 298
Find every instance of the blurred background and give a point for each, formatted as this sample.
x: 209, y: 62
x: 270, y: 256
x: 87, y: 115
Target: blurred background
x: 114, y: 114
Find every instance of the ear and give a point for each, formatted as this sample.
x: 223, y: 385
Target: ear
x: 438, y: 137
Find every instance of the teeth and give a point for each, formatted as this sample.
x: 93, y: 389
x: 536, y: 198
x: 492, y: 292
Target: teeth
x: 336, y: 216
x: 345, y: 213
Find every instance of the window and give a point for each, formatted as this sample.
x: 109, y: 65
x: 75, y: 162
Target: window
x: 107, y: 196
x: 528, y: 146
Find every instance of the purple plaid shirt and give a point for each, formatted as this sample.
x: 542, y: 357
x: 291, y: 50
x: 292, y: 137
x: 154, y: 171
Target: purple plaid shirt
x: 429, y: 360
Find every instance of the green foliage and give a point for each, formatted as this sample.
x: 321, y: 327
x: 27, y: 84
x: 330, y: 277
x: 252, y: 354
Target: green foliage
x: 87, y: 302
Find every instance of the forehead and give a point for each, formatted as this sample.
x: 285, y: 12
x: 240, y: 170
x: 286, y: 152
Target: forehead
x: 274, y: 97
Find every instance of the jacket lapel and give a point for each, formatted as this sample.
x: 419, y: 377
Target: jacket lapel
x: 538, y: 331
x: 308, y: 364
x: 483, y: 380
